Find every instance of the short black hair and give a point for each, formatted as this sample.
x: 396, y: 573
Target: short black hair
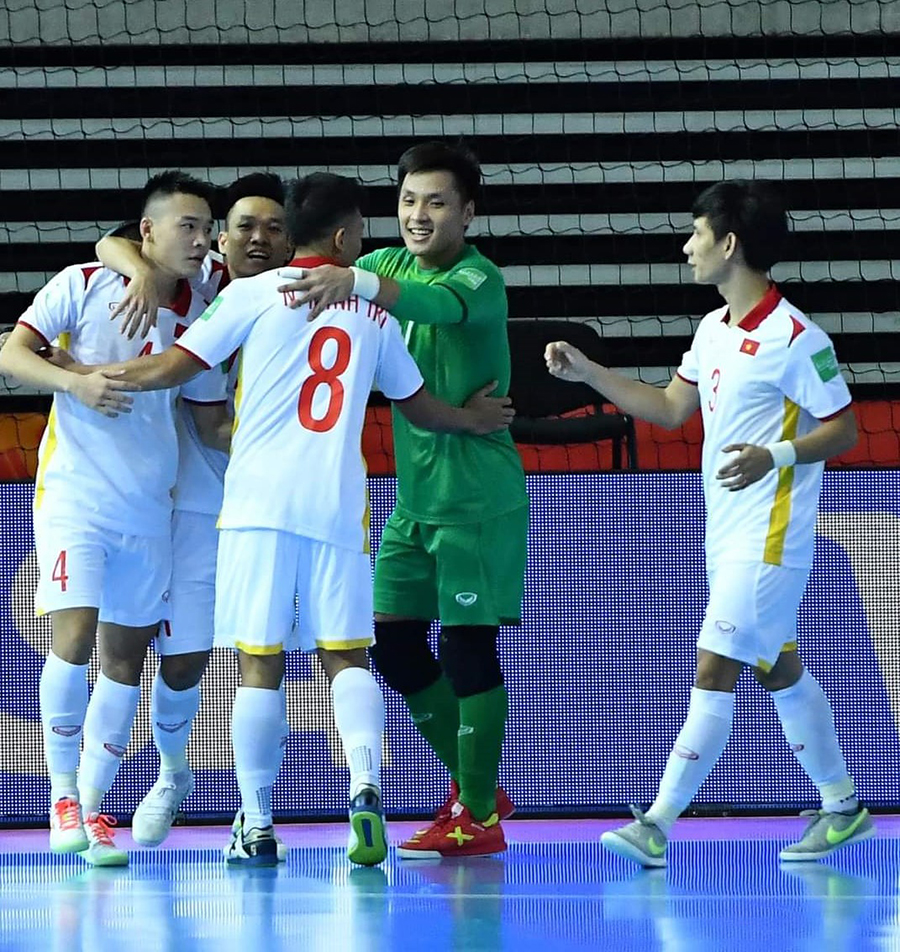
x: 437, y: 156
x: 317, y: 204
x: 753, y: 210
x: 175, y: 182
x: 257, y: 185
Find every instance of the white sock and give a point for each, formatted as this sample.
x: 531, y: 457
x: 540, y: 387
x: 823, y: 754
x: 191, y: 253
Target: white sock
x: 808, y: 724
x: 256, y: 732
x: 359, y: 716
x: 172, y: 714
x: 285, y: 724
x: 107, y: 730
x: 64, y: 701
x: 699, y: 745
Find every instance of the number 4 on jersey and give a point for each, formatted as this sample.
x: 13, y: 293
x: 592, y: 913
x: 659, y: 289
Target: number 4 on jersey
x: 59, y: 571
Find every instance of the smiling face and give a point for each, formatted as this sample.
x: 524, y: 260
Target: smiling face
x: 176, y: 232
x: 433, y: 217
x: 255, y: 237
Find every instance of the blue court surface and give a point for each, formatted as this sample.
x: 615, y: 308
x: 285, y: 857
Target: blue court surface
x: 555, y: 888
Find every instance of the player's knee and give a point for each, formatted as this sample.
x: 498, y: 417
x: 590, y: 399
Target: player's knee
x: 402, y: 656
x: 261, y: 671
x: 469, y: 658
x: 335, y: 660
x: 184, y: 671
x: 715, y: 672
x: 785, y: 673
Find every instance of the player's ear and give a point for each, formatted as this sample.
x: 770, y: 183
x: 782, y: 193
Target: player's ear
x: 468, y: 213
x: 146, y: 228
x: 730, y: 244
x: 222, y: 241
x: 340, y: 238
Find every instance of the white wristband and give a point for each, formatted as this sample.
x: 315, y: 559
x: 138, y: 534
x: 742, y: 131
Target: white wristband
x: 783, y: 453
x: 365, y: 284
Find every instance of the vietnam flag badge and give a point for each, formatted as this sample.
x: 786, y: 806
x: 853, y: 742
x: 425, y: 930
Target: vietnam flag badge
x: 750, y: 347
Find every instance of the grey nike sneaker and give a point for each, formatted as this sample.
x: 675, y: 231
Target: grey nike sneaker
x: 828, y: 832
x: 641, y: 841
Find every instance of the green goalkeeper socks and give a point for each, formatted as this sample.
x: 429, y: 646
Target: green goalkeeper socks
x: 435, y: 712
x: 482, y: 720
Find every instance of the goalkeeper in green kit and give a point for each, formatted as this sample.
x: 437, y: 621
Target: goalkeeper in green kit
x: 454, y: 546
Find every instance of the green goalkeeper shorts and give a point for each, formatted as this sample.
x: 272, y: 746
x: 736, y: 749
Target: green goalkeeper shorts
x: 470, y: 574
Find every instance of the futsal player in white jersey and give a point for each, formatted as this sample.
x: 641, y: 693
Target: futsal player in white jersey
x: 254, y: 240
x: 294, y: 520
x: 102, y: 507
x: 774, y: 407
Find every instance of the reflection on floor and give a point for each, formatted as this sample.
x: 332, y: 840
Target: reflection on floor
x: 554, y: 889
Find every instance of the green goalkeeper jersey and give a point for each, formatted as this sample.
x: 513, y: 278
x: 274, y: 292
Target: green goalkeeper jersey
x: 454, y: 322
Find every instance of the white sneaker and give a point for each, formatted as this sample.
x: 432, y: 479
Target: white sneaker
x: 67, y: 827
x: 102, y: 850
x: 155, y: 814
x: 237, y: 826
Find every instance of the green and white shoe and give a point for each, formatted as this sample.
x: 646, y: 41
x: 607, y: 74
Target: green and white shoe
x: 828, y: 832
x: 642, y: 842
x: 367, y: 845
x: 237, y: 826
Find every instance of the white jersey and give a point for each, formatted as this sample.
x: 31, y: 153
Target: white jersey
x: 116, y: 473
x: 201, y: 469
x: 296, y: 462
x: 772, y: 377
x: 213, y: 276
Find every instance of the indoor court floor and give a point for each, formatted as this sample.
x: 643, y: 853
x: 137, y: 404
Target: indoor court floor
x: 555, y: 888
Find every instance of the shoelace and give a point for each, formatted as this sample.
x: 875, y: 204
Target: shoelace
x: 100, y: 824
x: 67, y: 814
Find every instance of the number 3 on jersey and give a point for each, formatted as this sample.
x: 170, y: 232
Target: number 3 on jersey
x: 324, y: 377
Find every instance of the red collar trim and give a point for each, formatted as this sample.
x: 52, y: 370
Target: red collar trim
x: 182, y: 303
x: 760, y: 312
x: 312, y: 262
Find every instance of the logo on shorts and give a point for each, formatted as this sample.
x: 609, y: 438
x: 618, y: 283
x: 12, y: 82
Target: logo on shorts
x: 171, y: 728
x: 115, y: 750
x: 466, y: 599
x: 67, y: 730
x: 796, y: 748
x: 686, y: 753
x: 465, y: 729
x: 725, y: 627
x: 165, y: 596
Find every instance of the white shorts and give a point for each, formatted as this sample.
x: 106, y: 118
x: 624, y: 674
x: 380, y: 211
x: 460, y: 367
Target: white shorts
x: 276, y: 591
x: 126, y: 577
x: 192, y: 595
x: 752, y: 612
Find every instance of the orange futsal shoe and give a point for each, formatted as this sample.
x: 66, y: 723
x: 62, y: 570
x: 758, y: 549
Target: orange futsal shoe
x: 458, y: 834
x: 505, y: 807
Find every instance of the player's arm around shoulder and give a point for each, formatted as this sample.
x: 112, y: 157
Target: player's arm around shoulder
x: 472, y: 293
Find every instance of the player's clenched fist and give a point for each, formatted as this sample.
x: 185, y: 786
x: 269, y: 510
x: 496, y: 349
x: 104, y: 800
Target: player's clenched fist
x: 567, y: 362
